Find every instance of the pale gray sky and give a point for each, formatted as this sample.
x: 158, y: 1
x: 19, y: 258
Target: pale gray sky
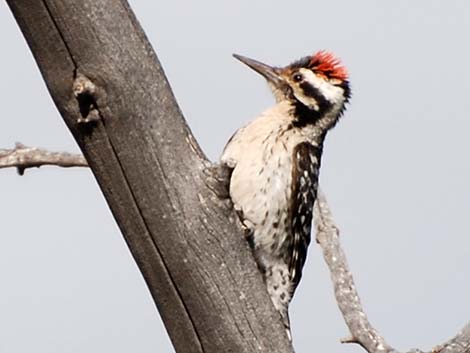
x: 395, y: 171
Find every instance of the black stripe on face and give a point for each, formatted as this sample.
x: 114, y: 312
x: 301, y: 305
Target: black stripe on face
x: 307, y: 115
x: 347, y: 90
x: 312, y: 92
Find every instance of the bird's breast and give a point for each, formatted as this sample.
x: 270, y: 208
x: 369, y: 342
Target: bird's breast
x: 261, y: 187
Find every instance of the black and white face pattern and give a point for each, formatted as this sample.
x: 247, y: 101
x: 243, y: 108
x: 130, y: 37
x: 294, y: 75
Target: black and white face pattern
x: 316, y: 91
x: 317, y: 85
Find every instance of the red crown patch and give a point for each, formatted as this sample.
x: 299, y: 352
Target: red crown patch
x: 326, y: 63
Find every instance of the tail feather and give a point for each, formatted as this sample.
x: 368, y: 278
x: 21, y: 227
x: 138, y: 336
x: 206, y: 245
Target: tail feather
x: 279, y: 287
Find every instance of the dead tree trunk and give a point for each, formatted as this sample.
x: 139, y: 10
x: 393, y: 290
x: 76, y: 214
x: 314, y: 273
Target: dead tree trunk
x: 109, y: 87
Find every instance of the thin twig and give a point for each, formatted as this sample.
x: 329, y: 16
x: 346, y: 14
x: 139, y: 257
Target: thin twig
x: 23, y: 157
x: 348, y: 299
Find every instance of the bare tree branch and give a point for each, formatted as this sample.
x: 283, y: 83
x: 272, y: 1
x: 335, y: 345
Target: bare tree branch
x: 327, y: 235
x: 458, y: 344
x: 347, y: 298
x: 23, y: 157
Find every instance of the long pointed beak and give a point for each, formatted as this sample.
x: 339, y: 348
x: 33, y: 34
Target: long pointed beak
x: 268, y: 72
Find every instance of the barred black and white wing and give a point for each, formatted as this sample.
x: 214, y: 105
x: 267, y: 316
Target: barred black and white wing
x: 305, y: 170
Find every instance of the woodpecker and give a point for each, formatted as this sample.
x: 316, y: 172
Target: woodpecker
x: 275, y: 161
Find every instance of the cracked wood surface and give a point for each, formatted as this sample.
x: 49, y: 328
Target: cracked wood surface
x: 153, y: 174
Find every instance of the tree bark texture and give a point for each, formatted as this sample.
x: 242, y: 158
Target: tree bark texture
x: 109, y: 87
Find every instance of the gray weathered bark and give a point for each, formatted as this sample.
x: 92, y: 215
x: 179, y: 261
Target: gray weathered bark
x: 109, y: 87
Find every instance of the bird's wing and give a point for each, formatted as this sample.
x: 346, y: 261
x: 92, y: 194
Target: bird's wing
x: 305, y: 168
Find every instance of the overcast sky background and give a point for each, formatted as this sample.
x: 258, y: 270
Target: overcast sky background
x: 395, y: 170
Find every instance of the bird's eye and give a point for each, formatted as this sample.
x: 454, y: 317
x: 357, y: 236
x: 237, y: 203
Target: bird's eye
x: 297, y: 77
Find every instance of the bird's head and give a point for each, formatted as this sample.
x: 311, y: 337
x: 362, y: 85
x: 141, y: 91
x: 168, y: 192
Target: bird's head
x: 317, y: 86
